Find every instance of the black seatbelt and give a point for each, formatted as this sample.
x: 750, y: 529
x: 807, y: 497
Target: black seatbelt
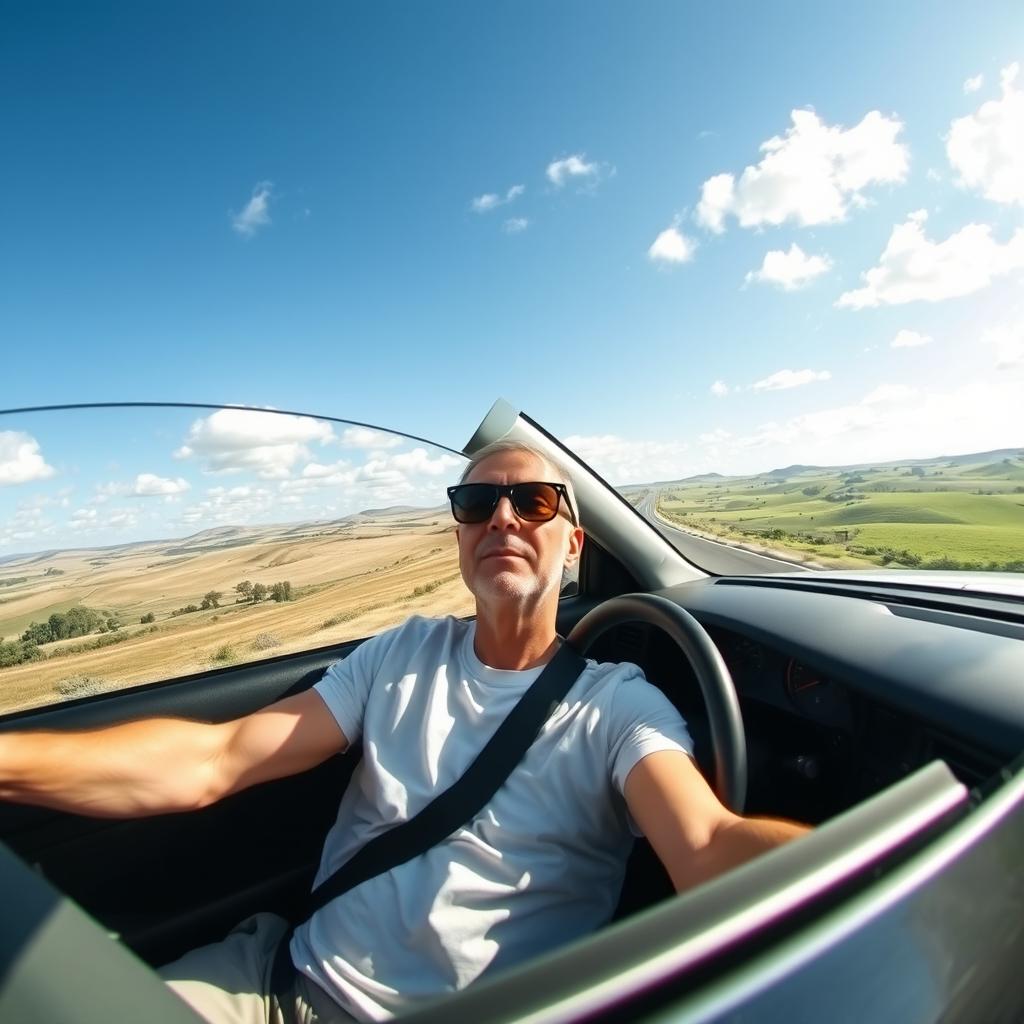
x: 453, y: 808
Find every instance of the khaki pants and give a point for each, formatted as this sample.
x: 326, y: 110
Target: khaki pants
x: 229, y: 982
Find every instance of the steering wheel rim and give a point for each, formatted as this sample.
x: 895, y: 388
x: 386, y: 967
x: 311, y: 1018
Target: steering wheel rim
x: 728, y: 740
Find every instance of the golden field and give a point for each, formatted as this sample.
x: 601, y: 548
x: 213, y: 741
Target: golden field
x: 349, y: 580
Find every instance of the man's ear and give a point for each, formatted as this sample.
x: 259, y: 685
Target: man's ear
x: 575, y: 546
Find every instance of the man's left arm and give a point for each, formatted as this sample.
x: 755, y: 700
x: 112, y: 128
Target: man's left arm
x: 694, y: 836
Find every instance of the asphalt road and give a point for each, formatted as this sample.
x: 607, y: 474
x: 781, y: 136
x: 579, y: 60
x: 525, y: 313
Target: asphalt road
x: 711, y: 555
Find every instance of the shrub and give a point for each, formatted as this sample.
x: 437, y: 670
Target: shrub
x: 148, y: 617
x: 224, y: 653
x: 264, y: 641
x: 17, y: 652
x: 79, y: 686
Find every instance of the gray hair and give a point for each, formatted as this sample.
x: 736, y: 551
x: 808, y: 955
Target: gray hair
x: 558, y: 474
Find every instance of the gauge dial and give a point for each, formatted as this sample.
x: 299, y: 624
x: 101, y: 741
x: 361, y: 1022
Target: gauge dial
x: 812, y: 693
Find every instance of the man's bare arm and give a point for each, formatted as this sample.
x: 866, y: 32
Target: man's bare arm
x: 160, y: 765
x: 694, y: 836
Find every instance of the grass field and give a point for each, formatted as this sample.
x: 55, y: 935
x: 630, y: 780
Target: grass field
x: 960, y: 513
x: 347, y: 583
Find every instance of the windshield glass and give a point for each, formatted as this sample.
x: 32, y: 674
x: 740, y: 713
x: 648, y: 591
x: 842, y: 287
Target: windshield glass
x: 759, y: 266
x: 142, y: 544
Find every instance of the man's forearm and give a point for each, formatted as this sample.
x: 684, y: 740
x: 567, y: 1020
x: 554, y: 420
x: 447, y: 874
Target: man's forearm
x: 735, y: 842
x: 131, y: 770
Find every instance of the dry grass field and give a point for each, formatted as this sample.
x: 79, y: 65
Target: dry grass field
x: 349, y: 580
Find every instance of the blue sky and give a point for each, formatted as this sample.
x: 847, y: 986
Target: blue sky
x: 284, y: 205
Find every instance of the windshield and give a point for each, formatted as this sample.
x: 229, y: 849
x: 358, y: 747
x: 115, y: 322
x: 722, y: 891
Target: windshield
x: 760, y: 267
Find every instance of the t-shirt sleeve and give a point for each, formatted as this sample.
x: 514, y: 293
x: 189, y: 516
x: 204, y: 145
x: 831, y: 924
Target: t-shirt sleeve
x: 345, y: 686
x: 643, y: 721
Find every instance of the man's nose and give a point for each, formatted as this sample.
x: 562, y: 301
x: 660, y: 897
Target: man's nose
x: 503, y: 515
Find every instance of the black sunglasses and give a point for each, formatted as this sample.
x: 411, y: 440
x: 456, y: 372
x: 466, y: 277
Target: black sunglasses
x: 533, y: 502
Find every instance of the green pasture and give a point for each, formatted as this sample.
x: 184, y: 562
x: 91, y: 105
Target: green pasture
x: 963, y: 542
x: 965, y: 512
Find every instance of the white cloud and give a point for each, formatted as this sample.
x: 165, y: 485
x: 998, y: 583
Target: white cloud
x: 572, y: 167
x: 717, y: 198
x: 621, y: 461
x: 148, y: 484
x: 889, y: 393
x: 256, y: 214
x: 514, y: 225
x: 1007, y: 344
x: 887, y: 423
x: 974, y: 83
x: 230, y: 505
x: 367, y: 438
x: 267, y: 443
x: 915, y: 269
x: 407, y: 477
x: 910, y: 339
x: 811, y: 175
x: 790, y: 270
x: 671, y: 246
x: 719, y: 389
x: 491, y: 200
x: 20, y: 459
x: 986, y: 148
x: 785, y: 379
x: 145, y: 485
x: 419, y: 461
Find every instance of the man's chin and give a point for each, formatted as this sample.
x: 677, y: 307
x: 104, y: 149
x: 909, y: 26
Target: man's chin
x: 505, y: 583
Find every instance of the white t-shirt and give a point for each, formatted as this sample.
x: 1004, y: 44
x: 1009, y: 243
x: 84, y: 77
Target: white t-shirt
x: 540, y: 865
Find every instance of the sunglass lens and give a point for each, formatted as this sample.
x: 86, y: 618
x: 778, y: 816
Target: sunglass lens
x: 473, y: 503
x: 536, y: 503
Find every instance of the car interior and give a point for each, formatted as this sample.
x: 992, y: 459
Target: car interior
x: 883, y: 712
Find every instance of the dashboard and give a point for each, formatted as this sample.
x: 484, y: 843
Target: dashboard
x: 845, y: 690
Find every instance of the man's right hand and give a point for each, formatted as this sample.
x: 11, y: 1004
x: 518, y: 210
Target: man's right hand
x: 160, y: 765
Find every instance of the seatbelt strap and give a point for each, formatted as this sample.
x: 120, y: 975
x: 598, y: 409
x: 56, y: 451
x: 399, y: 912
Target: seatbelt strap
x: 453, y: 808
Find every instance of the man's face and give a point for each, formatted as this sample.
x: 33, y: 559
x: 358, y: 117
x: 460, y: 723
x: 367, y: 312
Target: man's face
x: 506, y: 557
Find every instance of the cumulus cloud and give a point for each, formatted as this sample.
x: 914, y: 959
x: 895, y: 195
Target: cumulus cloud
x: 785, y: 379
x: 256, y: 214
x: 671, y: 246
x: 491, y: 200
x: 514, y: 225
x: 910, y: 339
x: 266, y: 443
x: 224, y: 505
x: 974, y: 83
x: 790, y: 270
x: 368, y: 438
x: 913, y: 268
x: 719, y: 389
x: 810, y: 175
x: 414, y: 476
x: 20, y: 459
x: 573, y: 168
x: 986, y: 148
x: 145, y: 485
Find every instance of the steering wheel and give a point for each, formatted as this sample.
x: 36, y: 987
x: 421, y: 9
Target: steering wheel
x: 727, y: 738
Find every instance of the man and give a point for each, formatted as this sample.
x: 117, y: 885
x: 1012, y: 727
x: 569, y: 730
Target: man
x: 539, y: 866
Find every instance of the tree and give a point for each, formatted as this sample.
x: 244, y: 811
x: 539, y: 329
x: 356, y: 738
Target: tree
x: 244, y: 590
x: 259, y: 592
x: 37, y: 633
x: 148, y: 617
x: 213, y: 597
x: 281, y: 591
